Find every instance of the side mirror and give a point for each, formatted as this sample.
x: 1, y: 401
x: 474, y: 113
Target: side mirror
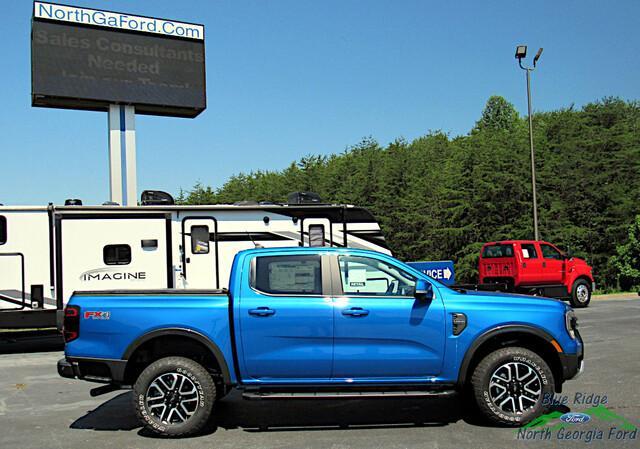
x: 424, y: 290
x: 569, y: 254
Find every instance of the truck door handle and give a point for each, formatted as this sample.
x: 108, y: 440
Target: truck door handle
x: 355, y: 311
x: 261, y: 311
x: 544, y: 264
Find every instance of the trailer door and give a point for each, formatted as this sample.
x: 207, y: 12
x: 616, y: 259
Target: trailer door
x: 200, y: 253
x: 12, y: 288
x: 113, y: 252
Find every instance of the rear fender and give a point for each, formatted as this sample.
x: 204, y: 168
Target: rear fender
x: 183, y: 332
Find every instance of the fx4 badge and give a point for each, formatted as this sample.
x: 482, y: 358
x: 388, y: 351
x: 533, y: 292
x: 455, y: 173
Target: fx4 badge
x: 96, y: 315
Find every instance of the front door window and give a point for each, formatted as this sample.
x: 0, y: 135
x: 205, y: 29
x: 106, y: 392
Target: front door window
x: 364, y: 276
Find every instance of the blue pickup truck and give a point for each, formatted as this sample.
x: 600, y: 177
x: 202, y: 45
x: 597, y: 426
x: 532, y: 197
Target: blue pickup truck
x: 320, y: 323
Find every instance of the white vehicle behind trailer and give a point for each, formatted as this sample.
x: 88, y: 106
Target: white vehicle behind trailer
x: 47, y: 253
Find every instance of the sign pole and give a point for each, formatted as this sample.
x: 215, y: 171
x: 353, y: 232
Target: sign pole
x: 115, y: 155
x: 131, y: 196
x: 122, y: 155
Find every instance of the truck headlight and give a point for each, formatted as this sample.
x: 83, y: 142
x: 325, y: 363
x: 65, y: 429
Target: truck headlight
x: 571, y: 323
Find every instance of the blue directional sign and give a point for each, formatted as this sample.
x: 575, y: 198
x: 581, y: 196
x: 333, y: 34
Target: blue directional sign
x: 440, y: 270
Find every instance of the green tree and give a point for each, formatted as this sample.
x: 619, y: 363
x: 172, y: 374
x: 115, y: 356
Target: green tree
x: 498, y: 114
x: 439, y: 197
x: 627, y: 260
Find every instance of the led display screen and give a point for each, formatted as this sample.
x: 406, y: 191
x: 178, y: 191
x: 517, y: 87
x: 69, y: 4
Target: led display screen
x: 88, y: 67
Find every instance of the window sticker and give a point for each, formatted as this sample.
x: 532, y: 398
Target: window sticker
x: 357, y: 276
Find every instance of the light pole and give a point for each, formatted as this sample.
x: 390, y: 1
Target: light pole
x: 521, y: 52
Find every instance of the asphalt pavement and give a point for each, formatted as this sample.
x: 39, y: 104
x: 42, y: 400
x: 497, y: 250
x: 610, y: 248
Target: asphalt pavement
x: 39, y: 409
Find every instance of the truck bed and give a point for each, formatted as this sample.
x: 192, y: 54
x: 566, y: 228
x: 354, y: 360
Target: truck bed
x: 113, y: 321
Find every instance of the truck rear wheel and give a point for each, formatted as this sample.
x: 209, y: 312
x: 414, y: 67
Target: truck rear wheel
x: 580, y: 294
x: 509, y: 386
x: 174, y: 396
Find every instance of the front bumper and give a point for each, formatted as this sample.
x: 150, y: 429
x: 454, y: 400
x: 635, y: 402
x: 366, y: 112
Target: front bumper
x: 93, y: 370
x: 573, y: 364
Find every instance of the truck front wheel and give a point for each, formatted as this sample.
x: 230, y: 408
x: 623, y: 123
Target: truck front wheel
x: 174, y: 396
x: 580, y: 294
x: 510, y: 384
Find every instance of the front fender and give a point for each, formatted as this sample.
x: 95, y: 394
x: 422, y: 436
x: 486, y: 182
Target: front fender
x: 489, y: 334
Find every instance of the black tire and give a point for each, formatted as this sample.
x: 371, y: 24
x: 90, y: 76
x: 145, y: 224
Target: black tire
x: 487, y: 395
x: 191, y: 382
x: 580, y: 294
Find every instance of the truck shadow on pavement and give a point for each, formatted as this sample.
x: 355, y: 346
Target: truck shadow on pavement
x: 22, y: 342
x: 281, y: 415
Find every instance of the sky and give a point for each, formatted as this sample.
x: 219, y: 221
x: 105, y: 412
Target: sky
x: 288, y: 78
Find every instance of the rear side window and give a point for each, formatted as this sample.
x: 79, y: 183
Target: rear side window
x: 529, y: 251
x: 117, y: 254
x: 3, y: 230
x: 492, y: 251
x: 282, y: 275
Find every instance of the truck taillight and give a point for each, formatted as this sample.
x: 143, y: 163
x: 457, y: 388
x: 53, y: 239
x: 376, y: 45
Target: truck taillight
x: 71, y: 324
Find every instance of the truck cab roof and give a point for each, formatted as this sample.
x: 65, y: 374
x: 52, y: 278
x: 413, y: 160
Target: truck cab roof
x: 507, y: 242
x: 312, y: 250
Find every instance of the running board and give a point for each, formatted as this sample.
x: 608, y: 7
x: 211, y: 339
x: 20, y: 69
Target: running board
x: 257, y: 395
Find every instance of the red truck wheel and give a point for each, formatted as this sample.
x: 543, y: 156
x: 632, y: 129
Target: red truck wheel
x: 580, y: 294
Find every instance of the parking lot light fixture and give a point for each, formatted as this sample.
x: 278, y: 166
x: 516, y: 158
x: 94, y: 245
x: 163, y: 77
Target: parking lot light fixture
x: 521, y: 52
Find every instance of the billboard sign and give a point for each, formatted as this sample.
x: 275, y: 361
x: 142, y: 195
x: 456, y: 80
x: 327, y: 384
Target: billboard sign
x: 441, y: 270
x: 87, y: 59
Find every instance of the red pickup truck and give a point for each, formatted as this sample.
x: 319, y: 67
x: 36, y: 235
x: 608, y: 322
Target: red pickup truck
x: 536, y: 267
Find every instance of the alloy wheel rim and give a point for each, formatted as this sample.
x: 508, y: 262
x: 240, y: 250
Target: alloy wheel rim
x: 172, y: 398
x: 515, y: 387
x: 582, y: 293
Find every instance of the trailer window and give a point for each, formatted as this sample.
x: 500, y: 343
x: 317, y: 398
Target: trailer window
x: 288, y: 275
x: 3, y: 230
x: 117, y: 254
x: 316, y: 235
x: 492, y: 251
x: 200, y: 239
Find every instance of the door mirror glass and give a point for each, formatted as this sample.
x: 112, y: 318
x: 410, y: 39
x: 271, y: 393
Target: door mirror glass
x: 199, y: 239
x: 424, y: 290
x: 316, y: 235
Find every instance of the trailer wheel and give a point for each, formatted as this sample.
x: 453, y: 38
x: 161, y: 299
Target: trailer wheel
x: 510, y: 384
x: 580, y: 294
x: 174, y: 397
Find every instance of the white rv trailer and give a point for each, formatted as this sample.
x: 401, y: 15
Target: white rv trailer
x: 46, y: 253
